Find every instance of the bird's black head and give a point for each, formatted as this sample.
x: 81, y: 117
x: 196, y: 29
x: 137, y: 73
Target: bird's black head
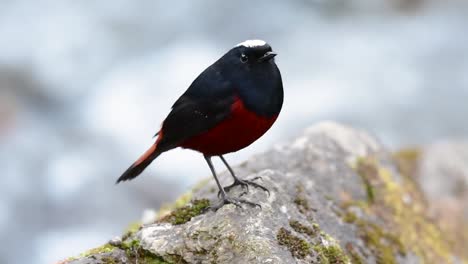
x: 250, y: 53
x: 250, y: 68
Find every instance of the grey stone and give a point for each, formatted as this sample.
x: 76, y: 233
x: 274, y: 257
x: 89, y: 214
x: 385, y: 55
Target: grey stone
x: 310, y: 179
x: 443, y: 176
x: 117, y: 256
x: 443, y: 170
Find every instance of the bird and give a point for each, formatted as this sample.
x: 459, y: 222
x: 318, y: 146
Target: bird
x: 230, y: 105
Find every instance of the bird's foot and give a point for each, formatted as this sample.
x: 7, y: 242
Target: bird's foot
x: 245, y: 185
x: 235, y: 201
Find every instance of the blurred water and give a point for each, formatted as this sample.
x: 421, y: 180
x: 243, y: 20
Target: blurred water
x: 85, y: 84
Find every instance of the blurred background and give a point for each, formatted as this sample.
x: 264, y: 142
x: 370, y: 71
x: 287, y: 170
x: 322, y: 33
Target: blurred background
x: 85, y: 84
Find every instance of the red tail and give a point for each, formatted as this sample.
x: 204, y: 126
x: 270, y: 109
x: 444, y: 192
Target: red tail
x: 141, y: 164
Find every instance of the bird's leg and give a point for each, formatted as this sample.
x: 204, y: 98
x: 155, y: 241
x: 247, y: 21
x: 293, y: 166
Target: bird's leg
x: 237, y: 181
x: 224, y: 198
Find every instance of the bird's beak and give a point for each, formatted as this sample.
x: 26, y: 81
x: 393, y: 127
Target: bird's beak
x: 268, y: 56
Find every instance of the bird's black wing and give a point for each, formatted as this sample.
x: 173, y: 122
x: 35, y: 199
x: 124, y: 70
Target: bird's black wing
x: 206, y: 103
x: 190, y: 118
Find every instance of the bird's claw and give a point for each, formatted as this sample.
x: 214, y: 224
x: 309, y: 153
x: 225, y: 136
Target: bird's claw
x: 235, y: 201
x: 245, y: 185
x: 256, y: 178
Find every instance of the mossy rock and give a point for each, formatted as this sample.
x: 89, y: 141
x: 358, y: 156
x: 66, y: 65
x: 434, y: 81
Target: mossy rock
x: 403, y: 225
x: 336, y: 196
x: 185, y: 213
x: 298, y: 246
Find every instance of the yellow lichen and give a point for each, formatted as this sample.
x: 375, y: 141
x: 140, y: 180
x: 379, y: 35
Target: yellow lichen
x: 402, y: 209
x: 407, y: 160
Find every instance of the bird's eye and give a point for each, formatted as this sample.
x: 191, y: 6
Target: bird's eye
x: 244, y: 58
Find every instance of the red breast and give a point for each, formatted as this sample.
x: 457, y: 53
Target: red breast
x: 236, y: 132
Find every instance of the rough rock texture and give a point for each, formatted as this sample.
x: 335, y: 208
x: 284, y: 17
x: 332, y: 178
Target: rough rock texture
x: 337, y: 196
x: 442, y: 172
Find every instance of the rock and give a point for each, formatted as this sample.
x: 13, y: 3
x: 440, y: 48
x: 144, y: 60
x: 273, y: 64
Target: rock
x: 444, y: 168
x: 443, y: 176
x: 336, y: 196
x: 115, y: 256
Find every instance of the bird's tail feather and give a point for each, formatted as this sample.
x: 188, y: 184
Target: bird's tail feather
x: 141, y: 164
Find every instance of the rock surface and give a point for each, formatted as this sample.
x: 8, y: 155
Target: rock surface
x: 443, y: 175
x: 336, y: 196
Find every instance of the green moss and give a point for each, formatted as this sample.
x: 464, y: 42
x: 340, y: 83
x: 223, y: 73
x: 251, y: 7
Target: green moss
x: 300, y: 228
x: 367, y: 172
x: 184, y: 214
x: 130, y: 245
x: 181, y: 213
x: 102, y: 249
x: 301, y: 200
x: 331, y: 254
x: 327, y: 249
x: 108, y: 260
x: 382, y: 244
x: 411, y: 229
x: 374, y: 238
x: 349, y: 217
x: 151, y: 259
x: 136, y: 253
x: 354, y: 255
x: 99, y: 250
x: 316, y: 226
x: 298, y: 247
x: 131, y: 229
x: 181, y: 201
